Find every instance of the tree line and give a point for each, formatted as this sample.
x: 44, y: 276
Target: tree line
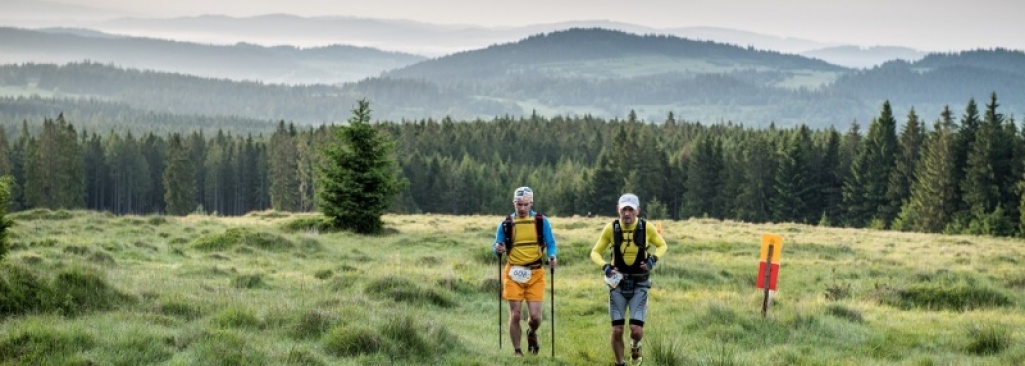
x: 961, y: 173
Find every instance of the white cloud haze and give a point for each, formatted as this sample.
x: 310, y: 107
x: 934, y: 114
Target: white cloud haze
x: 926, y: 25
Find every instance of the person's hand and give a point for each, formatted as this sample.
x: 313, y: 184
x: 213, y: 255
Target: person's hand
x: 552, y: 262
x: 608, y: 270
x: 499, y: 248
x: 649, y: 264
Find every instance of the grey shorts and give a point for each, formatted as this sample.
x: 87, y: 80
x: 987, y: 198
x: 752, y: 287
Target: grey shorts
x: 629, y: 294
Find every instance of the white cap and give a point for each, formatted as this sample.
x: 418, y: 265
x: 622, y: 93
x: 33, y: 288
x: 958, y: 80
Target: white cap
x: 629, y: 200
x: 523, y: 194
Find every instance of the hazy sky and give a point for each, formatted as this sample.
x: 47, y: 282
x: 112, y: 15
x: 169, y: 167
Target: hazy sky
x: 928, y: 25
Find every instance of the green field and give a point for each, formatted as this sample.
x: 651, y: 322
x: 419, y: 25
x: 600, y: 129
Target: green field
x: 86, y: 288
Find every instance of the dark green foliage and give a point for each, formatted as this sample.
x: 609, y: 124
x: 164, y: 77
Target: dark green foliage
x: 934, y: 190
x: 179, y: 179
x: 990, y: 172
x: 864, y: 191
x: 898, y: 192
x: 404, y: 290
x: 236, y: 237
x: 5, y: 222
x: 796, y: 187
x: 358, y: 178
x: 701, y: 195
x: 54, y: 168
x: 283, y: 169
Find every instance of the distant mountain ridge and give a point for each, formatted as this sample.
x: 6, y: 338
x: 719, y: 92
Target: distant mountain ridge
x: 281, y: 64
x: 431, y: 40
x: 599, y: 72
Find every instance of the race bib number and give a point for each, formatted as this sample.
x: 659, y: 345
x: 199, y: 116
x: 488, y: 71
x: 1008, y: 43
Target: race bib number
x: 519, y: 274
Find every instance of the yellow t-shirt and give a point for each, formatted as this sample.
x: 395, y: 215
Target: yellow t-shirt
x: 525, y: 249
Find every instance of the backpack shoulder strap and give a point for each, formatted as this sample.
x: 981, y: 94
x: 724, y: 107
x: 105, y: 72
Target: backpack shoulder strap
x: 507, y: 229
x: 539, y: 228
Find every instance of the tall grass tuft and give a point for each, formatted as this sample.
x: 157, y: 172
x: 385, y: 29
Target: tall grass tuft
x: 236, y: 237
x: 846, y: 313
x: 318, y: 223
x: 223, y: 347
x: 21, y: 291
x: 180, y: 308
x: 249, y: 281
x: 947, y: 296
x: 665, y: 350
x: 404, y: 290
x: 41, y: 214
x: 238, y: 317
x: 344, y: 341
x: 43, y: 345
x: 76, y: 290
x: 303, y: 357
x: 312, y: 324
x: 416, y: 341
x: 988, y: 340
x: 136, y: 348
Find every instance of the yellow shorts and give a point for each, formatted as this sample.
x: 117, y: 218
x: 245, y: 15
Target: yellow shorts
x: 533, y: 290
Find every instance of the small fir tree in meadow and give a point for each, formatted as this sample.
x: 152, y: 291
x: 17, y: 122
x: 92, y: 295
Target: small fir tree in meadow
x: 5, y: 222
x: 358, y: 176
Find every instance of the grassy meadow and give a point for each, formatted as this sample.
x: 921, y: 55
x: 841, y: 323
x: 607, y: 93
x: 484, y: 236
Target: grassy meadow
x: 88, y: 288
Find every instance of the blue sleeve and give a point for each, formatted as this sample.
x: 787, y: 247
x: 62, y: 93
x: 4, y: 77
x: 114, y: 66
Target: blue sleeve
x: 550, y: 239
x: 499, y: 238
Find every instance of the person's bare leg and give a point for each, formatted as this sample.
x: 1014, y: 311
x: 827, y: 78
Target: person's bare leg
x: 514, y: 322
x: 636, y: 334
x: 617, y: 342
x: 534, y: 309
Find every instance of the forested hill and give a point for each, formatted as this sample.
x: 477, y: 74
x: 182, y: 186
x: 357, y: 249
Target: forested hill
x: 603, y: 54
x: 281, y: 64
x: 938, y: 79
x: 575, y: 72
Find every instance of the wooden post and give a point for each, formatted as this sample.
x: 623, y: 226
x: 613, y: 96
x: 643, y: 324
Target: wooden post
x: 768, y: 277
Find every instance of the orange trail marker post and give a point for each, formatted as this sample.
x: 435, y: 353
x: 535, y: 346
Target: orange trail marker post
x: 768, y: 267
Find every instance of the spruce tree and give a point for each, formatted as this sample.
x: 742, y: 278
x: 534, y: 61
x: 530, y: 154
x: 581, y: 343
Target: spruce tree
x: 934, y: 191
x: 898, y: 192
x: 284, y: 169
x: 703, y: 179
x: 179, y: 179
x: 359, y: 176
x: 753, y: 203
x: 987, y: 168
x: 794, y: 186
x: 865, y: 189
x: 831, y: 178
x: 604, y: 186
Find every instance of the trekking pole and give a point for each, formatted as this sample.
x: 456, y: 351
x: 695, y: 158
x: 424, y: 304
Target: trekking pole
x: 552, y: 293
x: 500, y: 301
